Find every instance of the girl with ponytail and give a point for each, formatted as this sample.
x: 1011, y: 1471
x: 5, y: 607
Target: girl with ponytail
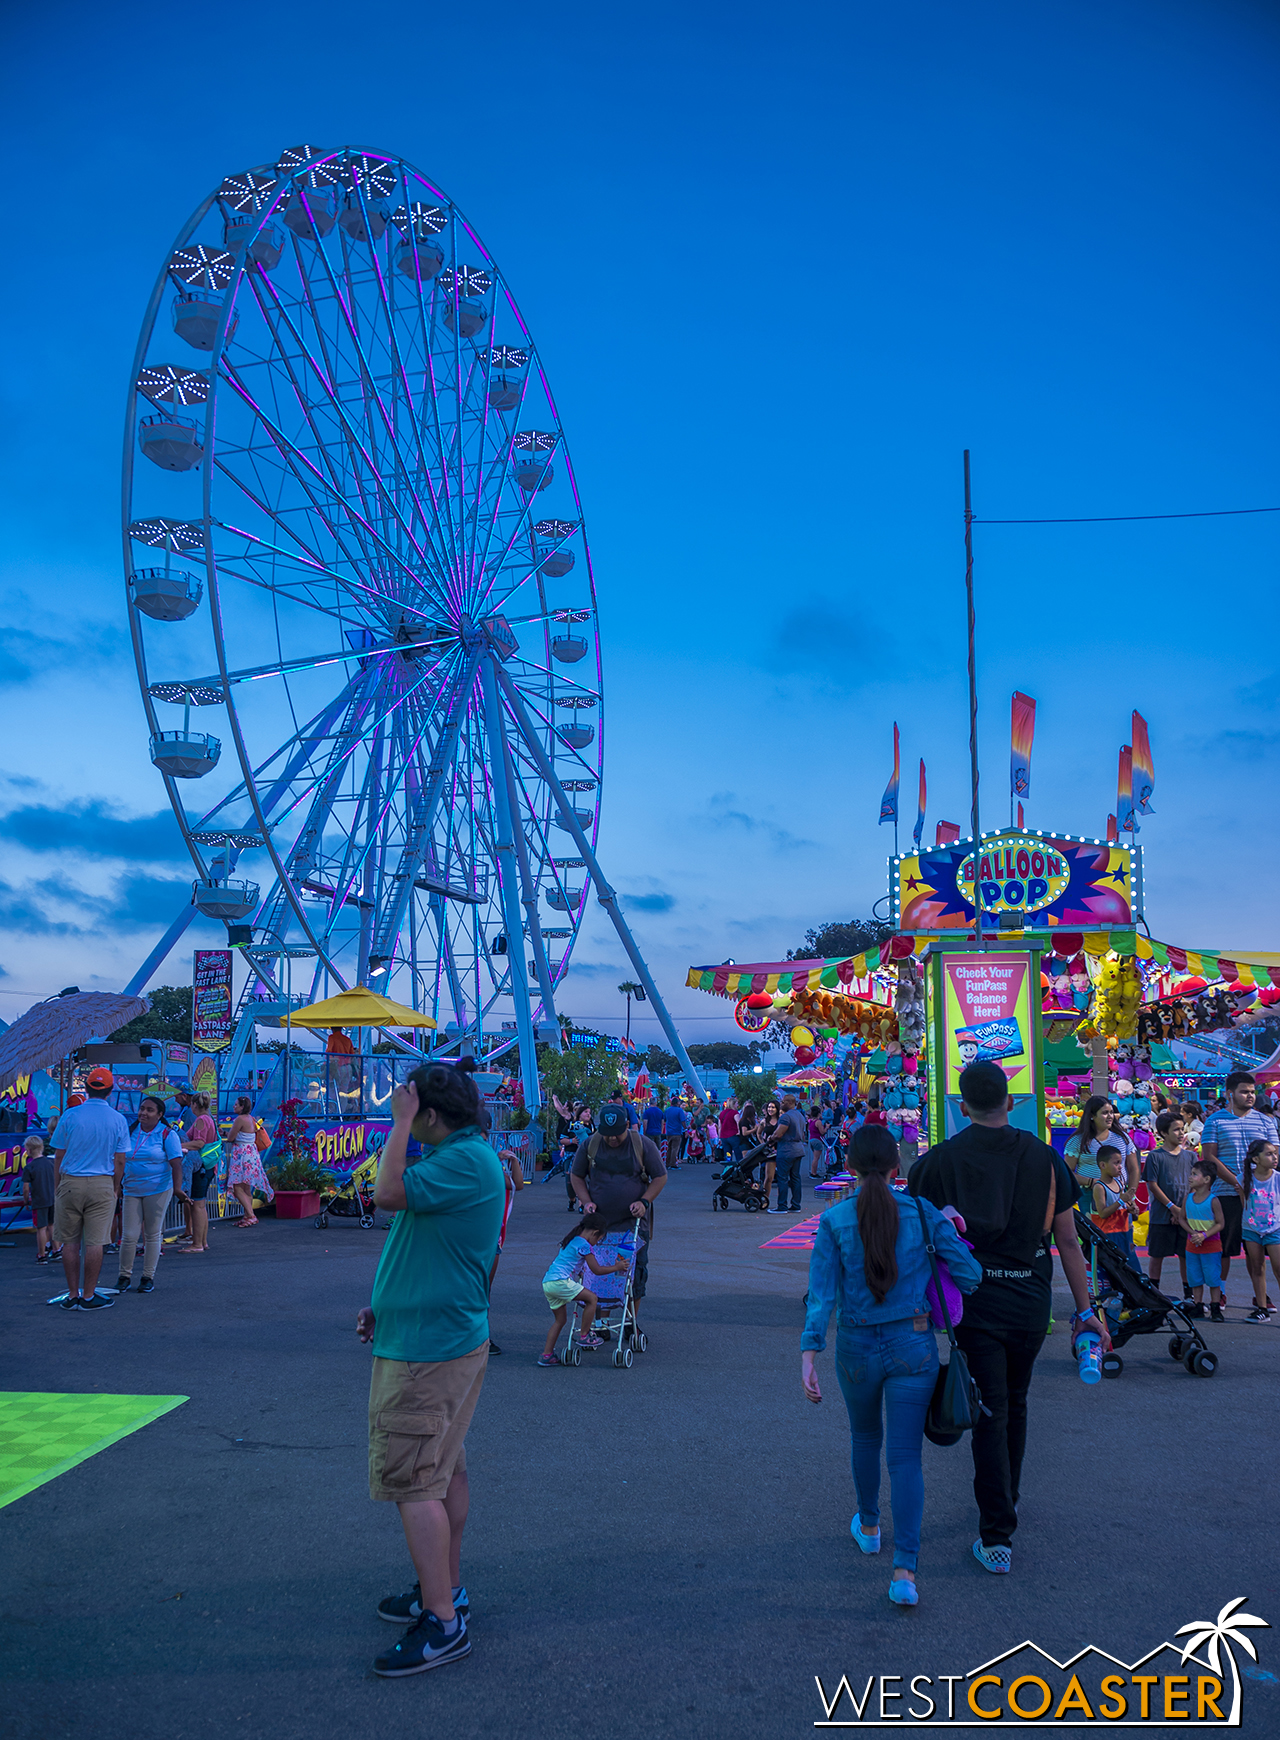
x: 871, y: 1267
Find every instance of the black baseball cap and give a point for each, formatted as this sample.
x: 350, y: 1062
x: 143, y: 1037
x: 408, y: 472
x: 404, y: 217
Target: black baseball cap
x: 613, y: 1120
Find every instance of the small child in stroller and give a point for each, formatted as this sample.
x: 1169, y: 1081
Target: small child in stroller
x: 562, y: 1284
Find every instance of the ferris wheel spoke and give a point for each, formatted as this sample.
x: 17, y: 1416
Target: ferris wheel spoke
x: 523, y: 524
x: 309, y: 478
x: 312, y: 662
x: 402, y: 378
x: 334, y: 403
x: 360, y: 595
x: 374, y: 410
x: 420, y: 821
x: 359, y: 730
x: 428, y: 352
x: 504, y: 431
x: 296, y: 462
x: 304, y: 740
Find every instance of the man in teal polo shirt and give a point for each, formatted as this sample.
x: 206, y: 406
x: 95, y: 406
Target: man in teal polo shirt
x: 429, y: 1325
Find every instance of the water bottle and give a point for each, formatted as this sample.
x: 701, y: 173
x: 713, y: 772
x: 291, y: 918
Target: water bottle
x: 1088, y: 1353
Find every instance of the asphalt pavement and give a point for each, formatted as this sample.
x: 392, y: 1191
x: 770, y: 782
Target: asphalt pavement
x: 663, y: 1550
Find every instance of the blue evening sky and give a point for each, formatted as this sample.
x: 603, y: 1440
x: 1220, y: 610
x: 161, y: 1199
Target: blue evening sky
x: 782, y: 268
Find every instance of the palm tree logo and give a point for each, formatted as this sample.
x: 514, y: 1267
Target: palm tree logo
x: 1224, y: 1630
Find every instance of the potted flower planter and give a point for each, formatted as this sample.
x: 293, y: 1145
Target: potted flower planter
x: 297, y: 1204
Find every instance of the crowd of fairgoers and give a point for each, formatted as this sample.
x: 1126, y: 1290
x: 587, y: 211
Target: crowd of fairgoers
x: 1209, y: 1183
x: 1209, y: 1190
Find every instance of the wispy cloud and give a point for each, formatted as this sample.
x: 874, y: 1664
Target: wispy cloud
x: 1242, y: 745
x: 598, y: 969
x: 725, y: 813
x: 25, y: 654
x: 649, y: 902
x: 96, y: 830
x: 55, y: 907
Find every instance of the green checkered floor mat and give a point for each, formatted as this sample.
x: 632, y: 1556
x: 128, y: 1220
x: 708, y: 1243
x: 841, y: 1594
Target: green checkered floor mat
x: 43, y: 1435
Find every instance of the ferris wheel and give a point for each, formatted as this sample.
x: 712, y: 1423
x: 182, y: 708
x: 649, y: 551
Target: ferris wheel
x: 352, y: 533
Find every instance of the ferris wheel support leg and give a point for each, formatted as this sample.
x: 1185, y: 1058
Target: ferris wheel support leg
x: 529, y: 896
x: 604, y: 892
x: 158, y: 953
x: 508, y: 883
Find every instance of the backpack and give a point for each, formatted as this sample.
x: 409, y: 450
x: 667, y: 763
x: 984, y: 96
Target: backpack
x: 637, y: 1149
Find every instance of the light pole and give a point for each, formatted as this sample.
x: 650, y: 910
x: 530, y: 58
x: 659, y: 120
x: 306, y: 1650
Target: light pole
x: 630, y: 989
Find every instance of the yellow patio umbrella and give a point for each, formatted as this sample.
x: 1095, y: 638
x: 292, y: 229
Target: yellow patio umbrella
x: 359, y: 1007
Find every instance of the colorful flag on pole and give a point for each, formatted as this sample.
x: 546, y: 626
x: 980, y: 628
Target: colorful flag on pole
x: 948, y: 832
x: 1144, y: 773
x: 889, y: 802
x: 1124, y: 795
x: 918, y: 830
x: 1113, y: 831
x: 1022, y: 732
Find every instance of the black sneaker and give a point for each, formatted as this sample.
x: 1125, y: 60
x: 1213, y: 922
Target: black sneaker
x: 124, y: 1283
x: 70, y: 1303
x: 425, y: 1645
x: 494, y: 1348
x: 110, y: 1250
x: 404, y: 1609
x: 1258, y: 1315
x: 1216, y: 1314
x: 96, y: 1302
x: 1195, y: 1309
x: 146, y: 1285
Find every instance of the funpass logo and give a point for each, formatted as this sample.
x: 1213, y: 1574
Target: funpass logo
x: 1196, y: 1685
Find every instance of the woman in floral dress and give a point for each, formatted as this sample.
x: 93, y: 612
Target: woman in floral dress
x: 245, y: 1174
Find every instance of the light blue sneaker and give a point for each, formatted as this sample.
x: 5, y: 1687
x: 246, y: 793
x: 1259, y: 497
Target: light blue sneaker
x: 903, y: 1593
x: 868, y: 1543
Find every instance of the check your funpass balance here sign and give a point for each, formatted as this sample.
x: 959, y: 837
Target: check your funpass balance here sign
x: 988, y: 1016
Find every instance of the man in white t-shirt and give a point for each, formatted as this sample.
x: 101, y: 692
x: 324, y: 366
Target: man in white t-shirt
x: 91, y: 1144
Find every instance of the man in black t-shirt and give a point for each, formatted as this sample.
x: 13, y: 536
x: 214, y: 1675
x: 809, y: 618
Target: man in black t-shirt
x: 1013, y: 1191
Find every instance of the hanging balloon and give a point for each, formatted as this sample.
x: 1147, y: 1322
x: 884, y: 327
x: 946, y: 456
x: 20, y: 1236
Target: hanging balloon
x: 805, y: 1055
x: 801, y: 1037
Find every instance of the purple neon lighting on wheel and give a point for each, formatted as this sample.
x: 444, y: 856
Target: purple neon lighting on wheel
x: 365, y: 432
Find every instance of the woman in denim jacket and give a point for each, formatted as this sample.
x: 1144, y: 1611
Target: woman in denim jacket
x: 870, y: 1264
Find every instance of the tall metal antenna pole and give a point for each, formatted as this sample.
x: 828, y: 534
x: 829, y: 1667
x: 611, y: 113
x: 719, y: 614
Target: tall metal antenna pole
x: 975, y: 825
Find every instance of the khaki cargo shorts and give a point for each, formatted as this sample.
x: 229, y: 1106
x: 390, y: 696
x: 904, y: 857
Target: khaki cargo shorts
x: 83, y: 1209
x: 418, y: 1420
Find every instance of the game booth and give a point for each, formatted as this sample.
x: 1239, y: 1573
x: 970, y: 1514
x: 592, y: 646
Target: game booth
x: 1030, y: 951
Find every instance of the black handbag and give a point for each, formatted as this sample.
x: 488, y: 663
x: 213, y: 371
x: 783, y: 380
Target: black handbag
x: 956, y: 1400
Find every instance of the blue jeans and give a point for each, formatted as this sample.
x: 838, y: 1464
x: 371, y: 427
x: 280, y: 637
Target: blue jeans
x: 787, y: 1176
x: 886, y: 1373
